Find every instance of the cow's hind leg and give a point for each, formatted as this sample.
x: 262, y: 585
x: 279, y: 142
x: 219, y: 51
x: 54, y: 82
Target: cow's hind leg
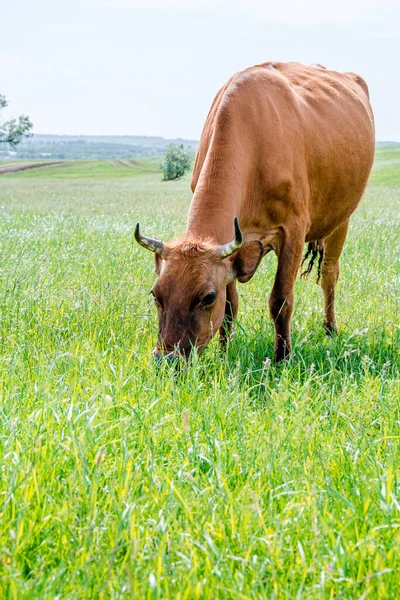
x: 330, y: 273
x: 231, y: 310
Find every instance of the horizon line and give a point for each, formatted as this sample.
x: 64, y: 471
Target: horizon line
x: 152, y: 136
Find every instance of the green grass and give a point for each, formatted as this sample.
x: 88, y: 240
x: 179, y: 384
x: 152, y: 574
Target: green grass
x: 91, y: 169
x: 231, y: 478
x: 386, y: 170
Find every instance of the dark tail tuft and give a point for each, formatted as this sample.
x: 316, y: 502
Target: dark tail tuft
x: 314, y: 249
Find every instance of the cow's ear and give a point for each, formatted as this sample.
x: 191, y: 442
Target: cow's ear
x: 157, y: 264
x: 246, y: 260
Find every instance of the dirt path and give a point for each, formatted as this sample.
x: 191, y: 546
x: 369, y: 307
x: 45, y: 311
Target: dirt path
x: 128, y: 163
x: 25, y: 166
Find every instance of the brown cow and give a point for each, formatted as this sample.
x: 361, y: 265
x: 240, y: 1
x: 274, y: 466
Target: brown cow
x: 287, y: 149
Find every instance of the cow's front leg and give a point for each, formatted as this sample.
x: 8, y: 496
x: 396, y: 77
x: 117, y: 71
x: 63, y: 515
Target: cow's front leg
x: 231, y: 310
x: 281, y: 298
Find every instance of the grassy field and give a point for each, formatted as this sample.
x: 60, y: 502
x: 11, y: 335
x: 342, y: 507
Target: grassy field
x: 232, y: 478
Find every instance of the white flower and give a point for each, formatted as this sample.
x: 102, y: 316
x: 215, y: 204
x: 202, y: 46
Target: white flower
x: 152, y: 581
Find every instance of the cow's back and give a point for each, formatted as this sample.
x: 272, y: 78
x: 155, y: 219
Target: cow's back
x: 299, y: 135
x: 339, y: 139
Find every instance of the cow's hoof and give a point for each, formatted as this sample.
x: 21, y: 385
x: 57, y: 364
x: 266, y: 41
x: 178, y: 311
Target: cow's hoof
x: 282, y: 353
x: 330, y: 328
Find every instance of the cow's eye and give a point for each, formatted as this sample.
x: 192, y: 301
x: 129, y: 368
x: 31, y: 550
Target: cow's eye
x: 157, y: 302
x: 209, y: 299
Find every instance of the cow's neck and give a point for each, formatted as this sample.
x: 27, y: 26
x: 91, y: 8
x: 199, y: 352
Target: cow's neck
x: 215, y: 203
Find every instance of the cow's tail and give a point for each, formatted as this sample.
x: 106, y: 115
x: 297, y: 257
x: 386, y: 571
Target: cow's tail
x: 314, y: 250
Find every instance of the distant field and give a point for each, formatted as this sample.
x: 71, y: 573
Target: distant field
x: 231, y: 478
x: 85, y: 168
x: 89, y: 147
x: 386, y: 170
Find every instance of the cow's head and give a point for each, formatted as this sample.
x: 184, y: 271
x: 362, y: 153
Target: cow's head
x: 190, y: 293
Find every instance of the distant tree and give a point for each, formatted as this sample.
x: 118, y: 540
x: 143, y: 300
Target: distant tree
x: 177, y: 160
x: 13, y: 131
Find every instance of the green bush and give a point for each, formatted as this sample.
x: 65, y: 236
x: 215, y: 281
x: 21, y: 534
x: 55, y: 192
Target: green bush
x: 177, y: 160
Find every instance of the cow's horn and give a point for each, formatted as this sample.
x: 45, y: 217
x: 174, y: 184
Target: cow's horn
x: 152, y: 245
x: 228, y: 249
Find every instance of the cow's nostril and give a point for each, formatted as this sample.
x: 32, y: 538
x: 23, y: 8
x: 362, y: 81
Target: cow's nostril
x: 157, y: 355
x: 169, y: 357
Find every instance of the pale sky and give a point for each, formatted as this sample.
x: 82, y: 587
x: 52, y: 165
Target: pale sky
x: 152, y: 67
